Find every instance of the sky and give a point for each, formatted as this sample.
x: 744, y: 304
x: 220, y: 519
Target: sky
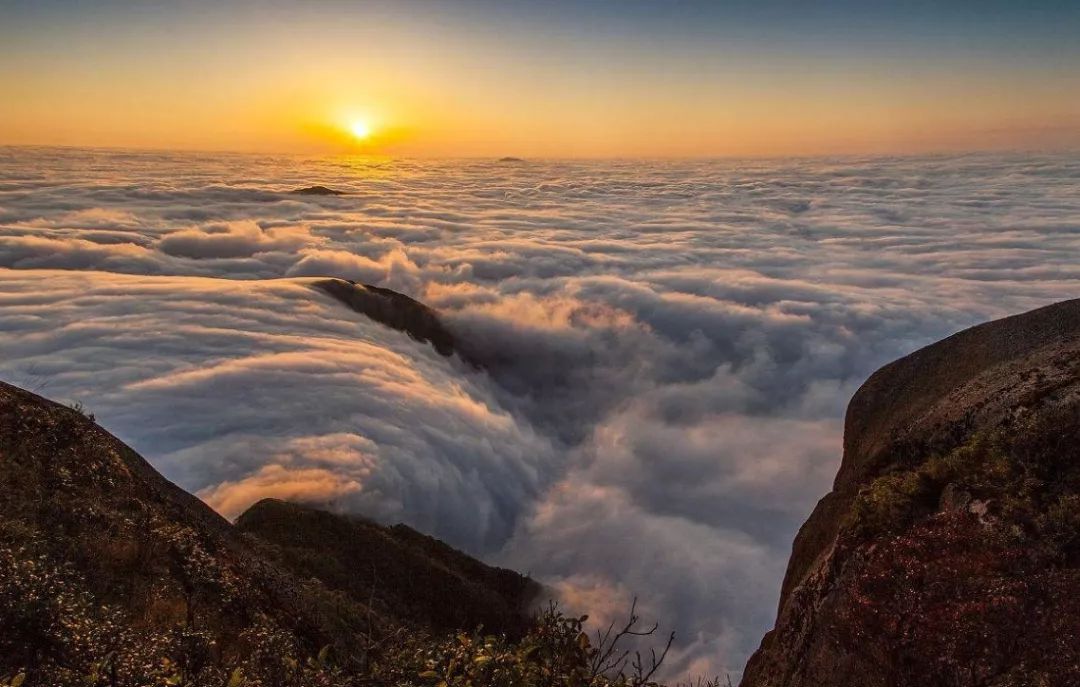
x: 553, y: 79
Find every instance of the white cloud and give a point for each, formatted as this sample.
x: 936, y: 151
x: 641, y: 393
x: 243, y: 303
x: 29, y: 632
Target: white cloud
x: 392, y: 270
x: 669, y: 346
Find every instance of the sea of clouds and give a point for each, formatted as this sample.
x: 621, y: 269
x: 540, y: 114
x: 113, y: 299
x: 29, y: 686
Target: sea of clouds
x: 669, y: 345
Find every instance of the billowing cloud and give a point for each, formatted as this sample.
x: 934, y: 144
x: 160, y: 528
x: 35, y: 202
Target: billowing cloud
x: 238, y: 239
x: 393, y: 269
x: 35, y: 251
x: 669, y: 347
x: 277, y: 373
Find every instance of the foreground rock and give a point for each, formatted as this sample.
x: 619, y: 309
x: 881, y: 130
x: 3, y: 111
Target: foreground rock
x: 948, y: 552
x: 110, y: 574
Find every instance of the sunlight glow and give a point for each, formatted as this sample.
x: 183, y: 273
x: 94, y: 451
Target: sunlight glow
x: 360, y: 129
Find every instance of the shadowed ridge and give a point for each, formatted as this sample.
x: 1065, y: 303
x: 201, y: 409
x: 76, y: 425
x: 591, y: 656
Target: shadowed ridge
x: 39, y: 437
x: 924, y: 394
x: 914, y: 393
x: 403, y: 573
x: 397, y: 311
x: 1017, y: 379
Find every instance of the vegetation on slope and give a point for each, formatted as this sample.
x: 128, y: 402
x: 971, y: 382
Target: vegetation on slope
x: 966, y: 564
x: 64, y: 637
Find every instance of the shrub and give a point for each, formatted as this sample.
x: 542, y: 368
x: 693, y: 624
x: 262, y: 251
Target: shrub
x: 54, y: 634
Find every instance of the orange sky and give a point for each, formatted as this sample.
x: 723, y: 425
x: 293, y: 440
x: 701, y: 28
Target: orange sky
x: 453, y: 85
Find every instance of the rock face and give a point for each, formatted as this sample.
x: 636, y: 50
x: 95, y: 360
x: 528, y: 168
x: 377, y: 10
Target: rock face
x: 948, y: 552
x: 395, y: 310
x: 104, y: 561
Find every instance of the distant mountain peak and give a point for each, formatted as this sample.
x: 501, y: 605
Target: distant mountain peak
x: 317, y: 191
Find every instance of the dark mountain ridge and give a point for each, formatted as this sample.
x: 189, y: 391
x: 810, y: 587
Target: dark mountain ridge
x: 317, y: 191
x: 397, y: 571
x: 395, y: 310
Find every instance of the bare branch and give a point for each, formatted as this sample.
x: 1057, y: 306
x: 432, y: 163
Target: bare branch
x: 609, y: 657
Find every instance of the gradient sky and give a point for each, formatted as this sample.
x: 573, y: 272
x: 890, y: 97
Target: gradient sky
x: 553, y: 78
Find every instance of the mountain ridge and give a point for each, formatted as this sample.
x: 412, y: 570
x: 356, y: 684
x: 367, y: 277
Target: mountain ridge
x: 105, y: 557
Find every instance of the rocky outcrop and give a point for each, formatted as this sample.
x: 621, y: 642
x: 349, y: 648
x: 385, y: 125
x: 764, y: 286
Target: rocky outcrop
x: 395, y: 310
x: 948, y: 551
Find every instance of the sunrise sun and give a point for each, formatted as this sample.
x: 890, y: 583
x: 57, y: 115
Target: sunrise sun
x: 360, y: 129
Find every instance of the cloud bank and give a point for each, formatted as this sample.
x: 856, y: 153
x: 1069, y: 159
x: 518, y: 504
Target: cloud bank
x: 670, y: 345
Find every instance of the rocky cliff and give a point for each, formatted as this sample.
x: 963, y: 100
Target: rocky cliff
x: 948, y: 552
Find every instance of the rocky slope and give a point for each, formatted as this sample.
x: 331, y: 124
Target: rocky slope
x: 948, y: 552
x: 110, y: 574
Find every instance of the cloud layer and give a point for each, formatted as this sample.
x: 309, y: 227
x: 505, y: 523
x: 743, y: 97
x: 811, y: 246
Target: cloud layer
x: 671, y: 345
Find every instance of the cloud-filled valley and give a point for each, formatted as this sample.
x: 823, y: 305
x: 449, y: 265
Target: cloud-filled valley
x: 668, y: 346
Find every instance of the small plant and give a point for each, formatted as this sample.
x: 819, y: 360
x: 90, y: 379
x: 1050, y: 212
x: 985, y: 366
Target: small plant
x: 982, y: 467
x: 79, y: 408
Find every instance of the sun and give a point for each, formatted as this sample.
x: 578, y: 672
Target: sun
x: 360, y: 129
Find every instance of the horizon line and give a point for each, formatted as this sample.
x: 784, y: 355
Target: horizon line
x: 942, y: 152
